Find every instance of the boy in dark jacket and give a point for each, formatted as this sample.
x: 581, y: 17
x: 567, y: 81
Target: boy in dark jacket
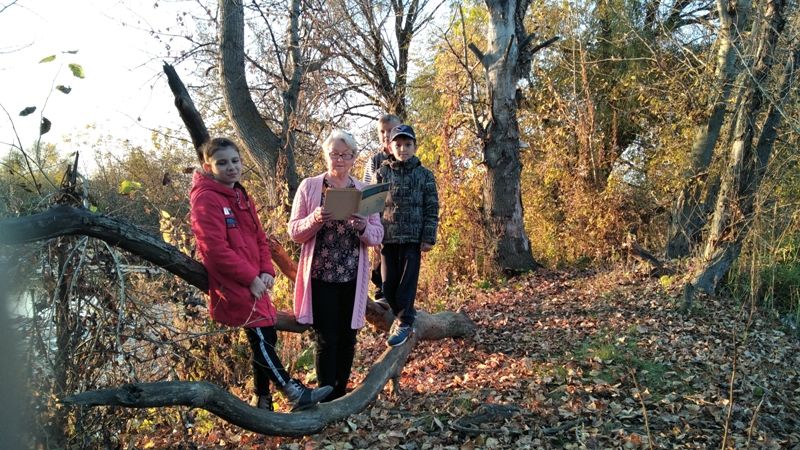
x: 409, y: 220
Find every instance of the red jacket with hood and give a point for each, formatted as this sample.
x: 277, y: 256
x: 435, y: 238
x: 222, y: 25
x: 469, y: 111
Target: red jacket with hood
x: 234, y: 251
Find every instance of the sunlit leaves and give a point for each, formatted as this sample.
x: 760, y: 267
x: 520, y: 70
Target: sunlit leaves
x: 47, y: 59
x: 77, y: 70
x: 129, y: 186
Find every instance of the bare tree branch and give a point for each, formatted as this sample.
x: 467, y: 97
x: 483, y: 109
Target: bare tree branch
x: 228, y: 407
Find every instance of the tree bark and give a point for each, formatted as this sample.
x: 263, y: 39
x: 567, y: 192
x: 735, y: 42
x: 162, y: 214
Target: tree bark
x: 260, y: 142
x: 228, y: 407
x: 191, y: 117
x: 504, y: 62
x: 747, y: 163
x: 688, y: 214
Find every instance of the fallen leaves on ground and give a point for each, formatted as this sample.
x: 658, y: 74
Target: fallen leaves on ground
x: 580, y: 360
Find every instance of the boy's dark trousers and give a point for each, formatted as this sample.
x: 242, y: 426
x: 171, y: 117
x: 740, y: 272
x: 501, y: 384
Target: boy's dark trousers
x: 266, y: 364
x: 400, y: 265
x: 332, y: 305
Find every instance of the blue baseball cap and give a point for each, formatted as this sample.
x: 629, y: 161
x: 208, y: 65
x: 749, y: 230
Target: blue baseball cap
x: 402, y: 130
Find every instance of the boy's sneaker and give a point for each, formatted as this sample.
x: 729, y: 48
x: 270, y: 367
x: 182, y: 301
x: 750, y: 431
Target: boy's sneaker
x: 303, y: 397
x: 400, y: 335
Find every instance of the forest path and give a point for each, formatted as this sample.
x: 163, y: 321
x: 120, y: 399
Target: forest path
x: 584, y: 360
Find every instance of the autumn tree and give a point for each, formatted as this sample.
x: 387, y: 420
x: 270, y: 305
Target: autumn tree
x: 689, y: 214
x: 506, y: 60
x: 373, y: 40
x: 295, y: 60
x: 761, y: 94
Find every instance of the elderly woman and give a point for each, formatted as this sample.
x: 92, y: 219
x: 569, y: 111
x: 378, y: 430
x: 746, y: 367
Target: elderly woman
x: 333, y: 271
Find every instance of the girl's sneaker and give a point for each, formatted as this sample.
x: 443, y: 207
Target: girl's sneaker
x: 303, y: 397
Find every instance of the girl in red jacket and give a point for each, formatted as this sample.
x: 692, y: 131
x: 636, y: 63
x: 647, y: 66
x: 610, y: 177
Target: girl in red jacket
x: 234, y: 251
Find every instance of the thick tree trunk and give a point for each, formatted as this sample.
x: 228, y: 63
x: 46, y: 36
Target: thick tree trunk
x: 260, y: 142
x: 688, y: 214
x: 508, y: 56
x: 747, y: 163
x: 272, y: 151
x: 504, y: 226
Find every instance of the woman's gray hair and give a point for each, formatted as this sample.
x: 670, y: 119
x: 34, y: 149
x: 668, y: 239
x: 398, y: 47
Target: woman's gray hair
x: 340, y: 135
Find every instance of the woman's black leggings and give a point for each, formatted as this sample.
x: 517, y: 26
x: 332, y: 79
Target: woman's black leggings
x: 332, y: 304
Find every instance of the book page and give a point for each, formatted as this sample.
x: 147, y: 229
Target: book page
x: 342, y: 202
x: 373, y: 199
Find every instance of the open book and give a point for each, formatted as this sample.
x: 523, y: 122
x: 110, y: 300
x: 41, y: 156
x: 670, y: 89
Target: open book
x: 345, y: 202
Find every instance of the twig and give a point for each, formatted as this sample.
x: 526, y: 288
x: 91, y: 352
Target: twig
x: 644, y: 409
x: 753, y: 421
x: 563, y: 427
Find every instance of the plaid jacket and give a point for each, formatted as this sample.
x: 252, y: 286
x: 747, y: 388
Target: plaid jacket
x: 412, y: 207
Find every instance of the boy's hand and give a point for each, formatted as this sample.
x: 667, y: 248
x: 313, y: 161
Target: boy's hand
x: 321, y: 214
x: 258, y: 288
x: 425, y: 246
x: 269, y: 280
x: 358, y: 222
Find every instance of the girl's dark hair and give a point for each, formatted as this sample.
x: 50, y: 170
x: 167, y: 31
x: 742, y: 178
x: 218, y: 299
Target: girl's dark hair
x: 212, y: 146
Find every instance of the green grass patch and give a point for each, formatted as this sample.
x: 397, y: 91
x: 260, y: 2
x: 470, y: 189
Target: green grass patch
x: 305, y: 360
x: 617, y: 356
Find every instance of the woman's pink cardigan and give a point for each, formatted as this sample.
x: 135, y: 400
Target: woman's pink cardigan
x: 303, y: 230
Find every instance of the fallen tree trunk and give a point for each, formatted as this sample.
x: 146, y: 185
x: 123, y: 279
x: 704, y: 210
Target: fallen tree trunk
x: 212, y: 398
x: 67, y: 220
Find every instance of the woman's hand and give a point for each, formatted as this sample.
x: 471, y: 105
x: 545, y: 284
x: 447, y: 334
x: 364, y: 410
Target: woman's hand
x: 268, y: 280
x: 321, y: 214
x: 358, y: 222
x: 425, y: 246
x: 258, y: 288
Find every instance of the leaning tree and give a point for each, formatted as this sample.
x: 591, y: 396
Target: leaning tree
x: 689, y: 215
x: 759, y: 114
x: 64, y: 220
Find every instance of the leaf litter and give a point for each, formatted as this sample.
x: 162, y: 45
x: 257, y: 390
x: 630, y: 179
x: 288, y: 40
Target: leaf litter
x: 579, y: 360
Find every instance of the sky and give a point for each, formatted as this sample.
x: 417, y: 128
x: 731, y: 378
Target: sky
x: 124, y: 93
